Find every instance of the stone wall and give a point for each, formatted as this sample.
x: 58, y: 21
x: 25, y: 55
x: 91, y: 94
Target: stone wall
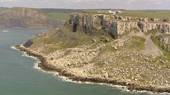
x: 116, y: 25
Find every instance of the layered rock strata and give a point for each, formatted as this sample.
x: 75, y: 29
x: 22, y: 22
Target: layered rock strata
x: 115, y: 25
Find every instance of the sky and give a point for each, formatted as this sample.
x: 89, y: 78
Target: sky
x: 88, y: 4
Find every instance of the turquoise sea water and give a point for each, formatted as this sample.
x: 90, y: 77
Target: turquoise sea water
x: 18, y: 77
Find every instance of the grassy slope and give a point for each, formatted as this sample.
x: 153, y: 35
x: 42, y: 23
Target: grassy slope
x: 165, y: 52
x: 136, y: 42
x: 62, y: 39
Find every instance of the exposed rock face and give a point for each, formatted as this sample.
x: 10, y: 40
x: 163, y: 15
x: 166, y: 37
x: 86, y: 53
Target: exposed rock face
x: 164, y: 41
x: 22, y: 17
x: 28, y: 43
x: 116, y: 25
x: 84, y: 22
x: 75, y: 22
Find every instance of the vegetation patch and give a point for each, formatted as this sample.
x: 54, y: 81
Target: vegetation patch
x: 64, y: 39
x: 157, y: 42
x: 136, y: 42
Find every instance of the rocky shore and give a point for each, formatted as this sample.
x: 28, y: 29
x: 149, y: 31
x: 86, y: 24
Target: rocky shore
x: 64, y: 72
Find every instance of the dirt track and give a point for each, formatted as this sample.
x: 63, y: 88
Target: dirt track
x: 151, y: 48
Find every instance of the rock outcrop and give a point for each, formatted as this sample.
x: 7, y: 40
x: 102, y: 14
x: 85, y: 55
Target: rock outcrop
x: 115, y: 25
x: 164, y: 41
x: 28, y: 43
x: 22, y: 17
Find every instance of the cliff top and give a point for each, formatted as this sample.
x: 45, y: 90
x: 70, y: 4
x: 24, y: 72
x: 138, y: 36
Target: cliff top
x: 130, y: 16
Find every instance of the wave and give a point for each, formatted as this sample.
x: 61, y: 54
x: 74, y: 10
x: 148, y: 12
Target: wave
x: 40, y: 69
x: 14, y: 48
x: 25, y: 54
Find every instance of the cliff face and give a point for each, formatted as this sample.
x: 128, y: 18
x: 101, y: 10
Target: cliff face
x: 22, y: 17
x: 116, y: 25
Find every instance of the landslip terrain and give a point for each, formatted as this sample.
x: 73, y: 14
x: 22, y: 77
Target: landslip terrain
x: 106, y: 48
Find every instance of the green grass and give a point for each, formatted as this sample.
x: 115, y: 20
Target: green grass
x: 64, y: 38
x: 147, y: 13
x: 165, y: 52
x: 58, y: 16
x: 56, y: 40
x: 136, y: 42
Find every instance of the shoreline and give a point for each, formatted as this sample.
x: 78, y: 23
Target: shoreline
x: 63, y: 78
x: 130, y: 86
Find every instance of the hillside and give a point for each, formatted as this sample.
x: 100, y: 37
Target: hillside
x: 123, y: 52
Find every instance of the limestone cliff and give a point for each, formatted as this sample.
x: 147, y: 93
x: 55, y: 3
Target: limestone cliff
x: 116, y: 25
x: 22, y: 17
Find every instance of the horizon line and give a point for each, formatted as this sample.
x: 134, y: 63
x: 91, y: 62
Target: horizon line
x: 85, y: 8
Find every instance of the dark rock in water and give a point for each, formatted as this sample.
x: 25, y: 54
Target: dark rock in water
x: 28, y: 43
